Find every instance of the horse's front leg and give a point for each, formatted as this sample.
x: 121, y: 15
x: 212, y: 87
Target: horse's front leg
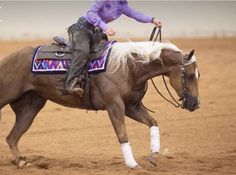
x: 116, y: 111
x: 140, y: 114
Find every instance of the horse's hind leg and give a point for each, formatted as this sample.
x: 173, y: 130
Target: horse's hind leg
x: 140, y: 114
x: 26, y: 108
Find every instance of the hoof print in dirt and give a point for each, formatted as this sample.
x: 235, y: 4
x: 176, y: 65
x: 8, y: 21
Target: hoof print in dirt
x: 43, y: 165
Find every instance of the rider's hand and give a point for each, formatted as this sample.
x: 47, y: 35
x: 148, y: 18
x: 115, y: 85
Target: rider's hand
x: 110, y: 32
x: 156, y: 22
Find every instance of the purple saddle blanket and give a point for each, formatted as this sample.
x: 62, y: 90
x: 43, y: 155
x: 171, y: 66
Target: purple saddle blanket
x: 57, y: 65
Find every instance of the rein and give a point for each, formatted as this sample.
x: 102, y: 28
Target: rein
x: 175, y: 103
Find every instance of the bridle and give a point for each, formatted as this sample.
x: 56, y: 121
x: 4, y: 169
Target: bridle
x: 183, y: 77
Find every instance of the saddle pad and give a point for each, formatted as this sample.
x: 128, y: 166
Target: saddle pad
x: 59, y: 66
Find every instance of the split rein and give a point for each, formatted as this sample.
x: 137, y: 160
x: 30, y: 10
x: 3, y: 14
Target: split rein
x: 175, y: 103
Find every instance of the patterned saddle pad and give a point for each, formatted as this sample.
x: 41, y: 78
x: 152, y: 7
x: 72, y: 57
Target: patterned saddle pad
x: 57, y: 61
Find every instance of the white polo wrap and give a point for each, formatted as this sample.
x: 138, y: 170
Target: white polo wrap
x: 128, y: 155
x: 155, y: 139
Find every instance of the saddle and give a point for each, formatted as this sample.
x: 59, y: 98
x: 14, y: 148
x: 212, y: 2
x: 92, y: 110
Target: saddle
x: 60, y: 49
x: 56, y: 57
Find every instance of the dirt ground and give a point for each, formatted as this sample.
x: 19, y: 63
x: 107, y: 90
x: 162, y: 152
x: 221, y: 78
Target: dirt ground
x: 65, y: 141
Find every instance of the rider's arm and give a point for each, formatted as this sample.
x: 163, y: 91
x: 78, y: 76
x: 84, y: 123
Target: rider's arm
x: 138, y: 16
x: 93, y: 17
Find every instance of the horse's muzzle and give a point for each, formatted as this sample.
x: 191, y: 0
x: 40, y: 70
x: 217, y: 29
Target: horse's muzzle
x: 191, y: 103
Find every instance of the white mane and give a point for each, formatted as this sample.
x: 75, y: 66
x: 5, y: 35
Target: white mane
x: 121, y: 53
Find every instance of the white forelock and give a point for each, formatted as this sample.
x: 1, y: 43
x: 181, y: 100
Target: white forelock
x: 193, y: 59
x: 121, y: 52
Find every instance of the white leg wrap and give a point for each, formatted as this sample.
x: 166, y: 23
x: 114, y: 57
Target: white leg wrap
x: 128, y: 155
x: 155, y: 139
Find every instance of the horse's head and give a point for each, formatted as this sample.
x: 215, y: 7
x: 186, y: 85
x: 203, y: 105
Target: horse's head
x: 183, y: 75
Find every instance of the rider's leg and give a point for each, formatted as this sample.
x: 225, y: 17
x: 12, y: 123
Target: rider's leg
x: 80, y: 43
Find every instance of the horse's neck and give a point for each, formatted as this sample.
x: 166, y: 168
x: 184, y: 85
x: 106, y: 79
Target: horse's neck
x: 146, y: 71
x: 149, y: 69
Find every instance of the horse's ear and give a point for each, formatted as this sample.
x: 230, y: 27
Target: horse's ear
x: 190, y: 55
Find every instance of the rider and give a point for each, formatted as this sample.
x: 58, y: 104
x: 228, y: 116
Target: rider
x: 99, y: 14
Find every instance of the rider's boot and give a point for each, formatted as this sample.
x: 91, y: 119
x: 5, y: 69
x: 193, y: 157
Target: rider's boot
x: 80, y: 44
x: 74, y: 88
x: 73, y: 84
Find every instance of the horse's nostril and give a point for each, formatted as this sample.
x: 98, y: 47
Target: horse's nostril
x: 196, y: 106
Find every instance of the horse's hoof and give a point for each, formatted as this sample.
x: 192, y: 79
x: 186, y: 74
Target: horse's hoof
x: 153, y: 158
x: 137, y: 170
x: 21, y: 164
x: 138, y: 167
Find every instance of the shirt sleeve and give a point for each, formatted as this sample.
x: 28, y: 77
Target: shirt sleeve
x: 138, y: 16
x: 93, y: 17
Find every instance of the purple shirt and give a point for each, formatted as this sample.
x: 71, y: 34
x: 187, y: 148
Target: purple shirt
x: 105, y: 11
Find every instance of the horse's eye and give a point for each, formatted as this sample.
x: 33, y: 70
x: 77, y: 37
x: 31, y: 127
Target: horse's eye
x: 190, y: 77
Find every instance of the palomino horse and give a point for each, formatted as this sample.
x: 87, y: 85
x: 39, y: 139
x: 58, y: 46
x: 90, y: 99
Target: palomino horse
x: 119, y: 90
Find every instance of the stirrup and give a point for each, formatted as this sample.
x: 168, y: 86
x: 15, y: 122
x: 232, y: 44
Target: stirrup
x: 72, y: 90
x: 76, y: 91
